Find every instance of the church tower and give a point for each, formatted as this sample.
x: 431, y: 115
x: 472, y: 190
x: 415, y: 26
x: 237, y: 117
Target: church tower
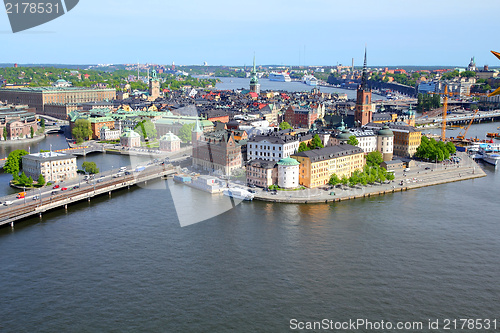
x: 364, y: 109
x: 154, y: 87
x: 254, y: 80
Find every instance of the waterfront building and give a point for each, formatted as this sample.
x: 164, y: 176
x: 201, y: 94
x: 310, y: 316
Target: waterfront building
x: 40, y: 96
x: 272, y: 146
x: 385, y: 142
x: 170, y: 142
x: 216, y: 151
x: 109, y: 134
x: 364, y: 107
x: 288, y: 173
x: 17, y: 121
x: 317, y: 165
x: 55, y: 167
x: 406, y: 138
x: 262, y: 173
x: 130, y: 138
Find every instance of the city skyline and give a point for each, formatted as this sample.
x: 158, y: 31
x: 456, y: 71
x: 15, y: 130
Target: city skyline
x: 279, y: 33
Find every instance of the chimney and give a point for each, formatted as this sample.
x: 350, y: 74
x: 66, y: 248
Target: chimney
x: 486, y: 68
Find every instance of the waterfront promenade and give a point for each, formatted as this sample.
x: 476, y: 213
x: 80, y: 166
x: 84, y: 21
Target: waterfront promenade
x: 416, y: 178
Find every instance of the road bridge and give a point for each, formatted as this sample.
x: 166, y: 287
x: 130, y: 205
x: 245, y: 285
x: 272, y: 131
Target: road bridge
x: 24, y: 208
x: 464, y: 117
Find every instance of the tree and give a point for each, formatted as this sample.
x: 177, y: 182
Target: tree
x: 41, y: 180
x: 334, y: 180
x: 32, y: 132
x: 344, y: 180
x: 146, y: 129
x: 82, y: 130
x: 5, y: 133
x: 23, y: 179
x: 353, y: 141
x: 374, y: 158
x: 303, y: 147
x: 185, y: 132
x: 14, y: 162
x: 285, y: 125
x: 315, y: 142
x: 90, y: 167
x: 42, y: 123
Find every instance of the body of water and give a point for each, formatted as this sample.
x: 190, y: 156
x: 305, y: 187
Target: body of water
x: 231, y: 83
x: 125, y: 265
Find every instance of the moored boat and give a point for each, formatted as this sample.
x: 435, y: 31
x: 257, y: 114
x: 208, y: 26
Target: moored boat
x: 238, y: 193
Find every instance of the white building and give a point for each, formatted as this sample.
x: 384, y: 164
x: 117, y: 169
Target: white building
x: 108, y: 134
x: 54, y: 167
x: 170, y: 142
x: 288, y: 173
x: 130, y: 138
x: 271, y: 147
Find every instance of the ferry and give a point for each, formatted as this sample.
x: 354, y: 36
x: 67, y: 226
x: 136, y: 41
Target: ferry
x: 491, y: 158
x: 310, y: 80
x: 238, y: 193
x: 279, y: 76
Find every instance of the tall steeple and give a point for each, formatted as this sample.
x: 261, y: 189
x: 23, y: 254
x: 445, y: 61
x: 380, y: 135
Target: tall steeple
x: 364, y: 107
x: 254, y: 80
x: 364, y: 77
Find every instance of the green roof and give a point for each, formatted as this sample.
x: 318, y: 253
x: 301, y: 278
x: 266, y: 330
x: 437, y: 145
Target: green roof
x: 288, y: 161
x: 385, y: 131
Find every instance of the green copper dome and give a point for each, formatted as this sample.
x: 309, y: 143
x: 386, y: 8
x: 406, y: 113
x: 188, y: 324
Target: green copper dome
x: 385, y: 131
x: 344, y: 136
x: 288, y: 161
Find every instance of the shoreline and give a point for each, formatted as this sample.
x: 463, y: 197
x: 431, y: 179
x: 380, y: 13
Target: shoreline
x: 29, y: 140
x: 416, y: 179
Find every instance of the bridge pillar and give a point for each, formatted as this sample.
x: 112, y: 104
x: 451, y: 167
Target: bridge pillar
x: 109, y: 193
x: 40, y: 215
x: 66, y: 207
x: 12, y: 225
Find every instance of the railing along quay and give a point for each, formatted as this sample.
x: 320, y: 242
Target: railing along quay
x: 12, y: 214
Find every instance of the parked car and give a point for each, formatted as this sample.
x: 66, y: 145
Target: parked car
x: 55, y: 186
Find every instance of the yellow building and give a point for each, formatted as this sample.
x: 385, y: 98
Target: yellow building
x: 406, y: 138
x: 316, y: 166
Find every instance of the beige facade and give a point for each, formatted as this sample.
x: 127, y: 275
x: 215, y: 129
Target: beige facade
x: 54, y: 167
x: 316, y: 166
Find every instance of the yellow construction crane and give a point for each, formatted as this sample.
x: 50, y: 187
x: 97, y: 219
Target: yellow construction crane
x: 462, y: 136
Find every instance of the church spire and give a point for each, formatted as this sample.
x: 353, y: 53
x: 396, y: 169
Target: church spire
x: 364, y: 77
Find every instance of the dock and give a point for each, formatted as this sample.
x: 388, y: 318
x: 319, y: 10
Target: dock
x: 12, y: 214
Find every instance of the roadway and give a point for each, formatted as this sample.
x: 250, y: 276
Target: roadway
x: 37, y: 198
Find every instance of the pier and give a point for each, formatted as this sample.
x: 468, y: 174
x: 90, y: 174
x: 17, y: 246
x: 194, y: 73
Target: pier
x: 22, y: 209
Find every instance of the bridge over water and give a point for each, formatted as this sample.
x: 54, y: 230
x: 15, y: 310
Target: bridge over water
x: 24, y: 208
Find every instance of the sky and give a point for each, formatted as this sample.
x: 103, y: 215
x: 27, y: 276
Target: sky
x: 279, y: 32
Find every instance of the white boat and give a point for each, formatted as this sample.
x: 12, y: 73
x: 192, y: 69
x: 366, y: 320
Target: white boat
x: 310, y: 80
x: 238, y: 193
x: 490, y: 152
x: 491, y: 158
x: 279, y: 76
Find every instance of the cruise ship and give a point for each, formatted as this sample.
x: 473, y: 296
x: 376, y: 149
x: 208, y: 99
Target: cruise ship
x: 279, y: 76
x: 310, y: 80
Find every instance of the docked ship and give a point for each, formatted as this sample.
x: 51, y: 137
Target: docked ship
x: 491, y: 158
x: 279, y: 76
x: 489, y: 153
x: 310, y: 80
x: 238, y: 193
